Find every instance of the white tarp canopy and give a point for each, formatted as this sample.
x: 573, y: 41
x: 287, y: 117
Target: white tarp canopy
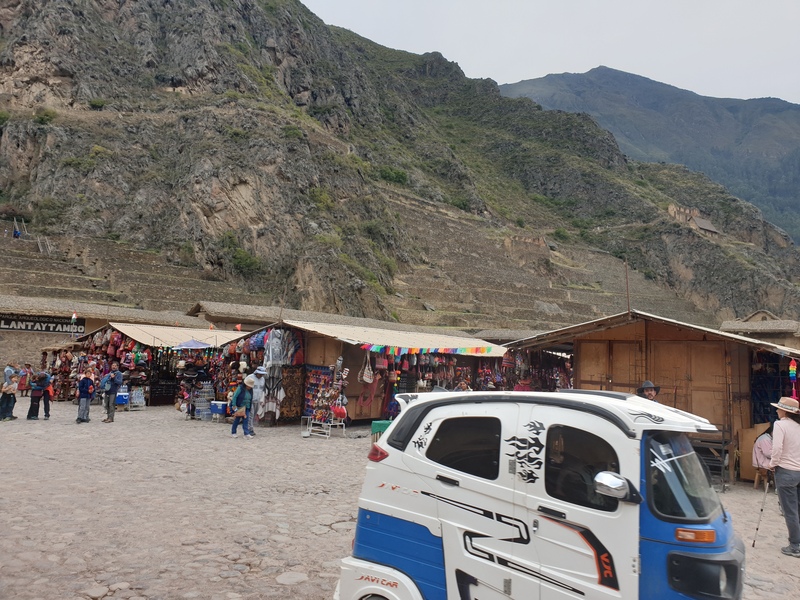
x: 169, y: 337
x: 192, y: 345
x: 403, y: 342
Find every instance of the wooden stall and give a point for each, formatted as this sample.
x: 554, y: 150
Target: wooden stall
x: 700, y: 370
x: 325, y: 342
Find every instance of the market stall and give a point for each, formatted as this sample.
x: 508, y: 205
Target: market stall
x: 382, y: 363
x: 154, y: 359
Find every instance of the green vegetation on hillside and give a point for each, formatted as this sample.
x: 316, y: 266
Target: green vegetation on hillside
x: 292, y: 156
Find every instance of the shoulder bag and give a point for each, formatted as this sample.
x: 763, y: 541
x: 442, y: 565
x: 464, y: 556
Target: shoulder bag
x: 365, y: 375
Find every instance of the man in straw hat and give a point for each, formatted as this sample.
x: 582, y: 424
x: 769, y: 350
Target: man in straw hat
x: 786, y: 463
x: 648, y: 390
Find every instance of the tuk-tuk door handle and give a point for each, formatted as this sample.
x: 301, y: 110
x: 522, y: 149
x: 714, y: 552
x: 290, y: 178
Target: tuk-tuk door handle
x: 448, y: 480
x: 551, y: 512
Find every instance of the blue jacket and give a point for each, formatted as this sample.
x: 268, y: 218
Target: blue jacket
x: 115, y: 378
x: 40, y: 384
x: 83, y: 388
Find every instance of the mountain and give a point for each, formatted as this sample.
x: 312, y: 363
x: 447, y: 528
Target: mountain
x: 310, y: 167
x: 750, y: 146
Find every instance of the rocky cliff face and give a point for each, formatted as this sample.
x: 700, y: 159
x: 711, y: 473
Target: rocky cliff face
x: 251, y: 140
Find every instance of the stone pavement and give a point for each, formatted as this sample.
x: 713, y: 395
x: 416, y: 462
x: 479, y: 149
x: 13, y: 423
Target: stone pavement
x: 153, y: 506
x: 770, y: 574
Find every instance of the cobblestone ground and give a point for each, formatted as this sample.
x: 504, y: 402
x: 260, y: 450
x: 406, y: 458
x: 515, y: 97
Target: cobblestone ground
x: 153, y: 506
x: 156, y: 507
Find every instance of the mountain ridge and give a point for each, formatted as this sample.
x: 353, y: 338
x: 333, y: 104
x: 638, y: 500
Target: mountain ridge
x: 320, y: 170
x: 748, y: 145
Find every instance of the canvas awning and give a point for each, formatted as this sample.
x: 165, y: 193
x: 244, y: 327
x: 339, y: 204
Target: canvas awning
x: 402, y: 342
x: 168, y: 337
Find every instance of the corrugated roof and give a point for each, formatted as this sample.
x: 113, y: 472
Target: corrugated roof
x: 779, y: 326
x: 569, y: 333
x: 167, y: 337
x: 705, y: 224
x: 273, y: 314
x: 405, y: 341
x: 508, y: 335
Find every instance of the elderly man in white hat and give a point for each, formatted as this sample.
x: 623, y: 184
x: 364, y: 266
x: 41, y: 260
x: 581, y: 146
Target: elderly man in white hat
x: 259, y: 388
x: 786, y: 462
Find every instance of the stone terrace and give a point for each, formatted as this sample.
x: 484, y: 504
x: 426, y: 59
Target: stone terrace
x: 516, y: 281
x: 107, y: 272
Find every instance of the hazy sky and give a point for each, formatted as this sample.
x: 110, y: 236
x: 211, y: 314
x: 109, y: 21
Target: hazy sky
x: 720, y: 48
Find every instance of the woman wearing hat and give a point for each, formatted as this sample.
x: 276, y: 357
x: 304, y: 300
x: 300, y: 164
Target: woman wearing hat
x: 786, y: 462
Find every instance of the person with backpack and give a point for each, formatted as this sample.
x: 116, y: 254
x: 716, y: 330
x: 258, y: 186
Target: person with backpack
x: 110, y: 385
x: 85, y: 396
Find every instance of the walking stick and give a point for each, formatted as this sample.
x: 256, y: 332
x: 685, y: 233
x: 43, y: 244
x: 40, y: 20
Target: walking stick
x: 766, y: 490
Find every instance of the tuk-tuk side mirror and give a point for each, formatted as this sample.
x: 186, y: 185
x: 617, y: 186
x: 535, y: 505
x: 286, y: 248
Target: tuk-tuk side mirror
x: 614, y: 485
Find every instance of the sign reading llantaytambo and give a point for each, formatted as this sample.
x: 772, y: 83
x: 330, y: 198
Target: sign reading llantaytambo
x: 10, y: 322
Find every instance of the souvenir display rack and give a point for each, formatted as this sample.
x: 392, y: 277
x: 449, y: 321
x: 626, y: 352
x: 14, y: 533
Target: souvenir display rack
x: 317, y: 378
x: 325, y: 396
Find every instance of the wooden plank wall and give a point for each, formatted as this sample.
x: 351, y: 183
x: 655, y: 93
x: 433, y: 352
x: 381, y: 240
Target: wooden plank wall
x: 708, y: 377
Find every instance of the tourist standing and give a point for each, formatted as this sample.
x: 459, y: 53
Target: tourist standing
x: 786, y: 462
x: 38, y: 386
x: 85, y: 396
x: 25, y: 375
x: 47, y: 397
x: 8, y: 398
x: 11, y: 369
x: 111, y: 384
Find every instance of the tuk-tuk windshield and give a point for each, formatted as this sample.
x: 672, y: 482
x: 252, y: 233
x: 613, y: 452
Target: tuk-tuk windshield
x: 679, y: 487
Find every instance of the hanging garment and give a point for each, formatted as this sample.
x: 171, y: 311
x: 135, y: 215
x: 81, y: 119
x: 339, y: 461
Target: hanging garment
x: 273, y: 350
x: 368, y: 391
x: 273, y: 404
